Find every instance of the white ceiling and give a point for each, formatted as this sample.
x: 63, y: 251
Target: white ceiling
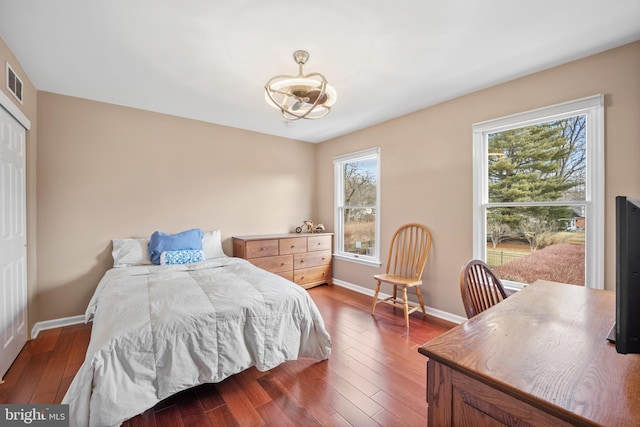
x: 209, y: 60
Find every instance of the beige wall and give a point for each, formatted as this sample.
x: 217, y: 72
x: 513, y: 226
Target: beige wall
x: 106, y: 171
x: 29, y: 109
x: 426, y: 162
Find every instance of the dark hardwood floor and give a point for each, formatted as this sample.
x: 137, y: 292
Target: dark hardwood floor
x: 375, y: 375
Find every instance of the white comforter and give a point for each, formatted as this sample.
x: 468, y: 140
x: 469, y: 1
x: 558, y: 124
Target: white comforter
x: 161, y: 329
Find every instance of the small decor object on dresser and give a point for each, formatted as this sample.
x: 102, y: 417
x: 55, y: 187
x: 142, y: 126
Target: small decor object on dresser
x: 308, y: 224
x: 305, y: 260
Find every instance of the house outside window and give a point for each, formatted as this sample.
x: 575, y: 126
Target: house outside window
x: 357, y: 206
x: 539, y: 194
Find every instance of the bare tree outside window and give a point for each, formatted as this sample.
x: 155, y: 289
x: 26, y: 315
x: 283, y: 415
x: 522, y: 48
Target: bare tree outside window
x: 357, y: 205
x: 497, y: 231
x: 535, y: 231
x: 360, y: 191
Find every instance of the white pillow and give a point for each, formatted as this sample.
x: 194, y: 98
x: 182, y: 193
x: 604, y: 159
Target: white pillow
x: 127, y: 252
x: 212, y: 245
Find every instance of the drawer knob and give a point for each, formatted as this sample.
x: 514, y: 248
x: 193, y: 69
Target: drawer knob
x: 293, y: 246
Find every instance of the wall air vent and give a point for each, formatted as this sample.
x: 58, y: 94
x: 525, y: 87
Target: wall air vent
x: 14, y: 84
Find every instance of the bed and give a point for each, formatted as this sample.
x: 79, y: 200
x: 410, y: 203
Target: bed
x: 160, y: 329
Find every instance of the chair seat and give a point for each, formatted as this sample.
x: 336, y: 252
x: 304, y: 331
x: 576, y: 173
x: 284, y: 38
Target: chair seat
x: 395, y: 279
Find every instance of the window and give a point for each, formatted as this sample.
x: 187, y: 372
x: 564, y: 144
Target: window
x: 539, y: 194
x: 357, y: 206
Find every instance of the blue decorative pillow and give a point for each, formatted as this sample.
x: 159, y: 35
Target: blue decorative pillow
x: 185, y: 256
x: 161, y: 242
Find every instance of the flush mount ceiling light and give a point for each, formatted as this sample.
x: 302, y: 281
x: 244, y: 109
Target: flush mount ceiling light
x: 302, y: 96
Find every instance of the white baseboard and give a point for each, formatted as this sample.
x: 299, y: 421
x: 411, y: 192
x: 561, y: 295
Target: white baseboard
x: 55, y: 323
x: 453, y: 318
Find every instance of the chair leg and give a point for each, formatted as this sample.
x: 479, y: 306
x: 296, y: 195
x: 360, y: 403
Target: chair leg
x: 424, y: 312
x: 406, y: 306
x: 375, y: 298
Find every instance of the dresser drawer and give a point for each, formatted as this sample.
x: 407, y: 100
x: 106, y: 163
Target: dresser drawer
x: 274, y: 264
x: 312, y: 259
x: 314, y: 274
x: 319, y: 243
x: 287, y: 275
x: 261, y: 248
x: 294, y: 245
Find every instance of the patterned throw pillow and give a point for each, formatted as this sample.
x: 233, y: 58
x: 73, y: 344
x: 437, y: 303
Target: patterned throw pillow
x: 185, y: 256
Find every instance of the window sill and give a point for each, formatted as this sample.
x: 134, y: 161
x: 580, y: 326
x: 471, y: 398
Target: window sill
x: 369, y: 262
x: 512, y: 287
x: 510, y: 291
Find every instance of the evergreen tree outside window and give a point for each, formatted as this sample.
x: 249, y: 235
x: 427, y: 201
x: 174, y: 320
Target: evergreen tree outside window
x: 538, y: 194
x: 357, y: 206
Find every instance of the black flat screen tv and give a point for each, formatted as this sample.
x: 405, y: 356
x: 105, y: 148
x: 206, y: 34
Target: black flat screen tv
x: 627, y: 327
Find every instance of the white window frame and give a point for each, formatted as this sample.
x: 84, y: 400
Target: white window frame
x: 593, y: 108
x: 338, y: 239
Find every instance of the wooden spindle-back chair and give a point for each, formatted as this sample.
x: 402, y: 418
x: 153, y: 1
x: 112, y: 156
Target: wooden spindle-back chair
x: 407, y: 257
x: 480, y: 287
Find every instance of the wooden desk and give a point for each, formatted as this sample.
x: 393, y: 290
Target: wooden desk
x: 539, y: 357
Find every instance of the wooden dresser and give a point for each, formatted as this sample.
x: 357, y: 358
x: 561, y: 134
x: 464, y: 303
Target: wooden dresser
x: 538, y: 358
x: 302, y: 258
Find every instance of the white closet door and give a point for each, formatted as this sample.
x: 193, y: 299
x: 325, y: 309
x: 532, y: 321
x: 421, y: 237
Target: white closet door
x: 13, y: 240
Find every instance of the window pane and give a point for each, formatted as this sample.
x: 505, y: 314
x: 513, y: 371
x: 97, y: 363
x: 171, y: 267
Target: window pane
x: 525, y: 244
x: 360, y: 231
x: 360, y: 179
x: 542, y: 162
x: 357, y: 222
